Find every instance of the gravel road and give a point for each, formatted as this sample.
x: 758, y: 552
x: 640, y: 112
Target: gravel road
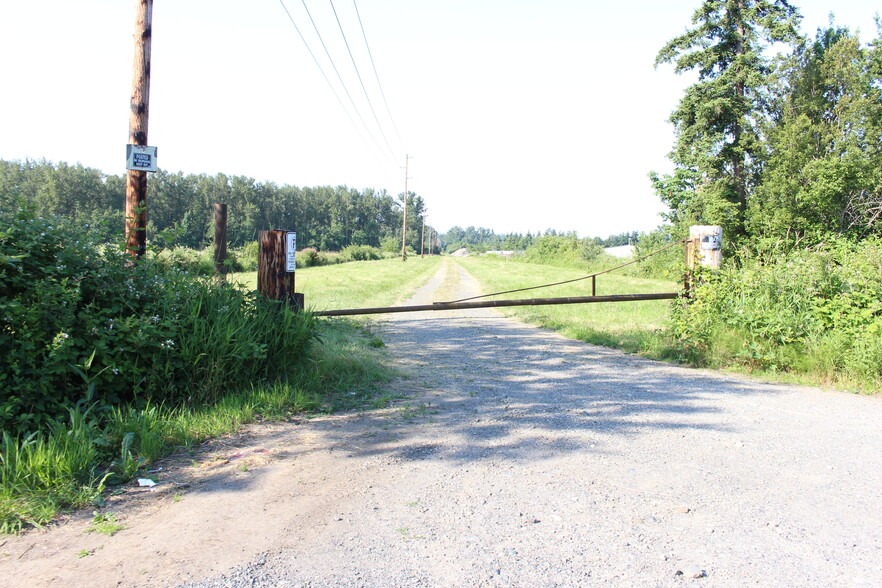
x: 518, y: 458
x: 527, y: 459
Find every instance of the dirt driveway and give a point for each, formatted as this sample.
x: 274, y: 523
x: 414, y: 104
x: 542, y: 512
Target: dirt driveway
x: 520, y: 458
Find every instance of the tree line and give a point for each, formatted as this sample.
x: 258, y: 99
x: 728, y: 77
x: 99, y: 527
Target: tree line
x: 327, y: 218
x: 482, y: 239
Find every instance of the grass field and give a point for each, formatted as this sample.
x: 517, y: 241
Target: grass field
x: 358, y: 284
x: 632, y: 326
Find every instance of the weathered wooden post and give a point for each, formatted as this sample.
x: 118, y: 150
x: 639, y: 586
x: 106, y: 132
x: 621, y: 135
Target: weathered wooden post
x: 276, y: 265
x: 220, y: 238
x: 703, y: 249
x: 138, y: 164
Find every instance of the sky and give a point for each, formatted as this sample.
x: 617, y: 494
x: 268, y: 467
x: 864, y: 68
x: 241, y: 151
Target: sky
x: 517, y: 115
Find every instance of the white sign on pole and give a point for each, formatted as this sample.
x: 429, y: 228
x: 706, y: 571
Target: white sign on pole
x: 290, y: 251
x: 141, y: 157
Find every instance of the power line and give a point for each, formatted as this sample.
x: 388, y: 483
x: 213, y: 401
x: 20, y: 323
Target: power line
x: 340, y: 78
x: 324, y: 75
x: 360, y: 81
x: 376, y: 75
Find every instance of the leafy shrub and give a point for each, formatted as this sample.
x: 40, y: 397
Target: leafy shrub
x: 188, y: 260
x: 562, y: 251
x: 246, y: 257
x: 817, y: 310
x: 361, y: 253
x: 78, y: 318
x: 667, y: 265
x: 391, y: 245
x: 308, y: 257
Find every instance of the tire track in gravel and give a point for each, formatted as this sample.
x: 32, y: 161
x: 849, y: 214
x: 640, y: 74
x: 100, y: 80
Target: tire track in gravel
x: 522, y: 458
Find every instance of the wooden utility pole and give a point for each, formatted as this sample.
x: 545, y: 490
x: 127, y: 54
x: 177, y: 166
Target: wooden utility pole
x: 136, y: 180
x: 220, y: 238
x: 423, y: 238
x: 404, y: 224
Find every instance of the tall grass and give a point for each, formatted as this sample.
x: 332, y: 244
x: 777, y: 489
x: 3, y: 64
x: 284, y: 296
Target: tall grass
x: 68, y: 462
x: 40, y: 473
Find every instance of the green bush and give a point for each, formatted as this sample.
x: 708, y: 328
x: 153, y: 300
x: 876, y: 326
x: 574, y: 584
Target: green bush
x: 817, y: 310
x: 361, y: 253
x: 308, y: 257
x: 246, y: 257
x: 188, y: 260
x: 563, y: 251
x: 667, y: 265
x: 77, y: 318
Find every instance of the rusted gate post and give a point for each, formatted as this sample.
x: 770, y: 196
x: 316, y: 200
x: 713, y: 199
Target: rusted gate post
x: 703, y: 249
x: 276, y: 265
x: 220, y: 239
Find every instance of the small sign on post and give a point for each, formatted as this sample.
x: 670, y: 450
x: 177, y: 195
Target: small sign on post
x: 291, y: 252
x: 141, y: 158
x: 704, y: 248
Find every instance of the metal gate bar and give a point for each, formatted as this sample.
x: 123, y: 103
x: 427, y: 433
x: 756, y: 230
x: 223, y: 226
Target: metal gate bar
x: 499, y: 303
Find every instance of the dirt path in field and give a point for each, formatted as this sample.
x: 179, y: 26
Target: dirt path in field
x: 520, y: 458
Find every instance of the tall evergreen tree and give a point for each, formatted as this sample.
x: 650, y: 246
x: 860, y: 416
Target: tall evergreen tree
x: 718, y: 152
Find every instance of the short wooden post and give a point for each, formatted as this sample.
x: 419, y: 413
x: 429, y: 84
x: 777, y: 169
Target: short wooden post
x: 703, y: 249
x: 220, y: 238
x: 276, y: 266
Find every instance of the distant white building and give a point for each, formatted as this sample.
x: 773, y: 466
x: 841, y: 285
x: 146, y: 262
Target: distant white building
x: 621, y: 251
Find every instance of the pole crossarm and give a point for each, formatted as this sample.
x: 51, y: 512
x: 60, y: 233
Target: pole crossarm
x: 499, y: 303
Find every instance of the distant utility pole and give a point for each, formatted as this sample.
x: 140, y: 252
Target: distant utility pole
x: 404, y: 225
x: 136, y: 180
x: 423, y: 238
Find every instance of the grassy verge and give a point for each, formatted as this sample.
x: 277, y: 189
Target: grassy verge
x: 632, y: 326
x: 70, y: 464
x: 357, y: 284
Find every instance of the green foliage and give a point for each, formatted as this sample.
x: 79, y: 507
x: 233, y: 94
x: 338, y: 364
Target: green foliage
x: 562, y: 250
x: 40, y: 473
x: 718, y: 148
x: 778, y: 147
x: 308, y: 257
x: 105, y: 523
x: 480, y: 240
x: 667, y: 265
x: 361, y: 253
x: 246, y: 257
x: 76, y: 315
x: 815, y: 310
x: 326, y: 218
x: 825, y: 168
x: 188, y: 260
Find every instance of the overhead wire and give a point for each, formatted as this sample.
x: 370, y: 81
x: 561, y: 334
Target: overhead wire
x: 322, y: 70
x: 360, y: 80
x: 340, y: 78
x: 377, y: 75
